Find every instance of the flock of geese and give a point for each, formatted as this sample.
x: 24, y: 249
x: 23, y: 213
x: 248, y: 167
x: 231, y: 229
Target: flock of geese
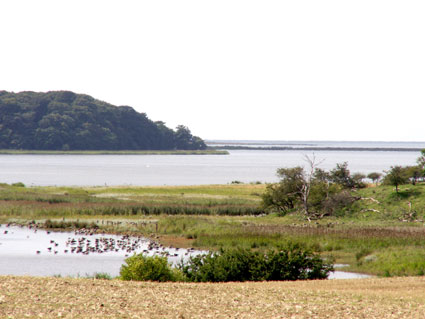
x: 86, y: 242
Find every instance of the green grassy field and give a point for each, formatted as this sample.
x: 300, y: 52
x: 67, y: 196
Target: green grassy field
x: 379, y: 235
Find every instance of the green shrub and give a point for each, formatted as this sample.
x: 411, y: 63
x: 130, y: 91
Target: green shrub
x: 19, y: 184
x: 146, y: 268
x: 292, y: 263
x: 295, y: 263
x: 227, y: 265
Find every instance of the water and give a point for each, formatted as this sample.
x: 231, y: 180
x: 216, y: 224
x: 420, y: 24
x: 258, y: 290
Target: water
x: 241, y: 165
x: 345, y: 274
x: 24, y: 251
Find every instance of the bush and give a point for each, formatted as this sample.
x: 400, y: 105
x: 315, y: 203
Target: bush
x: 292, y: 263
x: 338, y: 203
x: 19, y: 184
x: 146, y: 268
x: 296, y: 264
x: 229, y: 265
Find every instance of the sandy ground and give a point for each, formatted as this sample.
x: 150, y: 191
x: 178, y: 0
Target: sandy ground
x: 29, y: 297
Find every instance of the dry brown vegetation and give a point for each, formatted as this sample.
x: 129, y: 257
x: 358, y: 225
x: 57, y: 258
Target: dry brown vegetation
x: 28, y: 297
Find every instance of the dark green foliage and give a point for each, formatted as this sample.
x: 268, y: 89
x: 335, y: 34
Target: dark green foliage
x: 291, y: 263
x: 414, y: 173
x: 146, y: 268
x: 396, y: 176
x: 358, y: 180
x: 341, y: 175
x: 19, y: 184
x: 338, y: 202
x: 286, y: 194
x: 63, y: 120
x: 227, y: 265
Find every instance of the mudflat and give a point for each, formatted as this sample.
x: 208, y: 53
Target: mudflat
x: 49, y: 297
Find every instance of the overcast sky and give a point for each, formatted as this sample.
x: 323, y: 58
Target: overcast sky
x: 277, y: 70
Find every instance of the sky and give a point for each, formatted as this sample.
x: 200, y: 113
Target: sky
x: 250, y: 70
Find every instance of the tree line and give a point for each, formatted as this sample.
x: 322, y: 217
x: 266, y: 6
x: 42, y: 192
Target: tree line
x: 63, y: 120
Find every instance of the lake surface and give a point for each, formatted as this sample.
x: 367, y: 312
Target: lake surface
x: 240, y: 165
x: 37, y: 252
x: 25, y: 251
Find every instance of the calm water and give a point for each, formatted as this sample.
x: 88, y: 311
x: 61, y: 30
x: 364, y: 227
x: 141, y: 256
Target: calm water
x: 24, y: 251
x: 39, y: 253
x: 243, y: 165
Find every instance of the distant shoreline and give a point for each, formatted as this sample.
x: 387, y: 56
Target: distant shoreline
x: 148, y: 152
x: 315, y: 148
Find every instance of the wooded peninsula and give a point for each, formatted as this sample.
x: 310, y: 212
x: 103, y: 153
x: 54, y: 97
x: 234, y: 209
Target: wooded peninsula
x: 63, y: 120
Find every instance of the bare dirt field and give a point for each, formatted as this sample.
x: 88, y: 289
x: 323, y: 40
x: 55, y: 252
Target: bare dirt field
x: 30, y: 297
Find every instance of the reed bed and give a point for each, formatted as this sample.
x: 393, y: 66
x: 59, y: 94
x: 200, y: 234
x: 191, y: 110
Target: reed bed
x: 49, y: 202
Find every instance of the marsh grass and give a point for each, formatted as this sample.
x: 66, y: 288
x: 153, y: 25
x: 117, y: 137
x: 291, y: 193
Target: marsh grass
x: 227, y: 216
x: 54, y: 202
x: 346, y: 243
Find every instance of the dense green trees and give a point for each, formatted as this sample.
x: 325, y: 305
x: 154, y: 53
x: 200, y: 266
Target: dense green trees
x: 63, y: 120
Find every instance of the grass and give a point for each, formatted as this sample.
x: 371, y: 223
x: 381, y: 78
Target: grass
x: 22, y: 297
x: 380, y: 242
x: 56, y: 202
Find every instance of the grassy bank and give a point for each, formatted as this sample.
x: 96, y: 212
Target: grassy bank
x: 22, y: 297
x: 125, y: 152
x: 375, y: 236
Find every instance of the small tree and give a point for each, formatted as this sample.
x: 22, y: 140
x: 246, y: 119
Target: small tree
x: 375, y: 177
x: 286, y: 194
x: 396, y: 176
x: 414, y: 173
x: 357, y: 179
x: 341, y: 175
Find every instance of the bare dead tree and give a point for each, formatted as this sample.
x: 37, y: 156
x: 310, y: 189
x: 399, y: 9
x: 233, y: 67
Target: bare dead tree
x: 306, y: 185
